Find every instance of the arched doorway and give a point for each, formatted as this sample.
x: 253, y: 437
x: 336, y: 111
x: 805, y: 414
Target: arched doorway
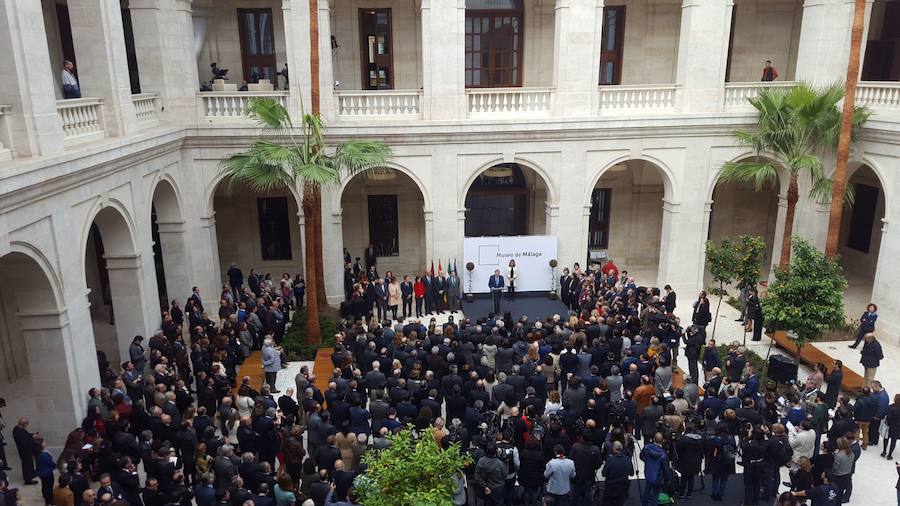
x: 113, y: 276
x: 860, y: 238
x: 42, y: 369
x: 169, y: 245
x: 257, y: 231
x: 626, y: 218
x: 739, y: 209
x: 506, y: 199
x: 385, y: 207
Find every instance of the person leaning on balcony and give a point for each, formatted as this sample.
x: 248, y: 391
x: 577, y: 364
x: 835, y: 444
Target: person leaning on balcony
x: 769, y: 72
x: 69, y: 81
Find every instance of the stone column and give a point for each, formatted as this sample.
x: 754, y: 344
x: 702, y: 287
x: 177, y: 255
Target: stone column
x: 443, y: 54
x: 428, y: 216
x: 297, y: 43
x: 173, y: 244
x: 208, y: 270
x: 577, y: 37
x: 128, y: 303
x: 884, y: 292
x: 28, y: 80
x: 703, y: 54
x: 824, y: 48
x: 101, y: 61
x: 164, y: 43
x: 326, y: 64
x: 333, y: 251
x: 59, y: 378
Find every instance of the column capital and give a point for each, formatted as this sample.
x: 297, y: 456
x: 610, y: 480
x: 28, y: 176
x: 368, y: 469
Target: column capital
x: 53, y: 319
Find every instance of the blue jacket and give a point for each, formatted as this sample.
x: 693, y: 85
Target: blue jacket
x: 883, y: 402
x: 867, y: 322
x: 205, y: 495
x: 656, y: 463
x: 45, y: 465
x: 496, y: 281
x: 751, y: 388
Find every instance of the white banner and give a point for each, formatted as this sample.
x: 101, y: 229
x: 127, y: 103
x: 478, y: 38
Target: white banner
x: 532, y: 254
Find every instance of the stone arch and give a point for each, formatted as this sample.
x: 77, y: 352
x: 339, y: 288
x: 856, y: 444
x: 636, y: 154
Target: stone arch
x: 170, y: 251
x: 745, y: 203
x: 220, y: 178
x: 423, y: 189
x: 552, y: 195
x: 113, y: 275
x: 38, y: 355
x: 783, y: 174
x: 672, y: 189
x: 399, y: 202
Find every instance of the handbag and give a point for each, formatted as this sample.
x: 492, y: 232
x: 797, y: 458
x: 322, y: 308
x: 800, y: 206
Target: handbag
x: 883, y: 430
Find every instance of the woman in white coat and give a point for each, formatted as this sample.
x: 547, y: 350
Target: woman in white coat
x: 512, y: 273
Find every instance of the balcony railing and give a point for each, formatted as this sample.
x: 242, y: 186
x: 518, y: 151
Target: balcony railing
x: 366, y: 104
x: 5, y: 151
x: 509, y: 101
x: 739, y: 94
x: 631, y: 98
x: 146, y: 108
x: 82, y: 119
x: 878, y: 95
x: 229, y: 106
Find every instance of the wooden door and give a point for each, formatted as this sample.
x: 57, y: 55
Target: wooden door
x: 376, y: 49
x: 257, y: 44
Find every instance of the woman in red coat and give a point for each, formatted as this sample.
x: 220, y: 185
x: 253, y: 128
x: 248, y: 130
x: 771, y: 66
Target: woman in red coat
x: 419, y: 292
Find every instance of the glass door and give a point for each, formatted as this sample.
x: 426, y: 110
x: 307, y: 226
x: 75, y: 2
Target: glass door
x: 376, y: 53
x: 257, y: 44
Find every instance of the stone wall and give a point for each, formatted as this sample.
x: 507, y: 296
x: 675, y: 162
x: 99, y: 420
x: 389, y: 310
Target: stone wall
x: 765, y: 30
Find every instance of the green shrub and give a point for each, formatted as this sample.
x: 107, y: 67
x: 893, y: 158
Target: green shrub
x: 758, y: 362
x: 295, y: 346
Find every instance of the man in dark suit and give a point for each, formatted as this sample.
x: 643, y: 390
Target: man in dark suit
x: 439, y: 285
x: 381, y: 295
x: 195, y: 296
x: 25, y: 445
x: 429, y: 293
x: 357, y: 267
x: 349, y: 281
x: 371, y: 257
x: 565, y: 282
x: 495, y: 283
x: 406, y: 293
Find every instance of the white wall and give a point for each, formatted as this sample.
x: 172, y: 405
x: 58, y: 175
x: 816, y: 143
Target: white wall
x: 636, y: 215
x: 406, y: 28
x: 855, y: 262
x: 650, y: 50
x: 540, y: 18
x: 738, y: 209
x: 221, y: 41
x: 765, y: 30
x: 355, y: 220
x: 237, y: 230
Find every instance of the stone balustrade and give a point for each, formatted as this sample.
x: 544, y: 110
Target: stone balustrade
x: 497, y: 102
x: 366, y: 104
x: 146, y: 108
x: 82, y: 119
x: 229, y: 106
x: 631, y: 98
x: 878, y: 95
x: 739, y: 94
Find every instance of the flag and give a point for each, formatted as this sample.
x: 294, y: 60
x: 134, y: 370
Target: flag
x: 440, y: 266
x: 432, y: 268
x: 455, y: 271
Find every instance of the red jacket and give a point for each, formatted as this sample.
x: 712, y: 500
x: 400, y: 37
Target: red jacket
x: 419, y: 289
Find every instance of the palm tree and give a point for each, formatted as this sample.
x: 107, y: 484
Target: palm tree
x: 285, y: 158
x: 843, y: 148
x: 797, y: 126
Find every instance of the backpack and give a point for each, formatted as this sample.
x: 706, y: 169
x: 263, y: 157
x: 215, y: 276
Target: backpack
x: 785, y: 452
x: 505, y: 453
x: 729, y: 450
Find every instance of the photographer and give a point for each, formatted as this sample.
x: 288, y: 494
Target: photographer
x: 689, y: 456
x: 753, y: 452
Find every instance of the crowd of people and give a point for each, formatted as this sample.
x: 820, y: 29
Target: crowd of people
x: 566, y: 409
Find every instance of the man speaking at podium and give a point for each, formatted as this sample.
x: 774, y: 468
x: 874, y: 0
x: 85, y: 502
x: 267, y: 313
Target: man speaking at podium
x: 496, y: 285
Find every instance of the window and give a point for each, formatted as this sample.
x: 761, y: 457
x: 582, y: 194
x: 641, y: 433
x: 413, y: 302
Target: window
x: 384, y: 226
x: 611, y: 45
x: 598, y: 226
x: 863, y: 217
x: 274, y: 228
x: 493, y: 43
x: 257, y: 44
x: 497, y: 203
x: 130, y: 52
x: 376, y: 52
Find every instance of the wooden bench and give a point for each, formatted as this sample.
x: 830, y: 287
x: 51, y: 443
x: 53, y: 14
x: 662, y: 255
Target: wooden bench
x: 252, y: 367
x: 812, y: 355
x: 323, y: 368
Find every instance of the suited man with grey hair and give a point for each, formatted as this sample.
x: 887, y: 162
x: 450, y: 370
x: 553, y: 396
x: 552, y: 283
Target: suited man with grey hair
x: 271, y: 360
